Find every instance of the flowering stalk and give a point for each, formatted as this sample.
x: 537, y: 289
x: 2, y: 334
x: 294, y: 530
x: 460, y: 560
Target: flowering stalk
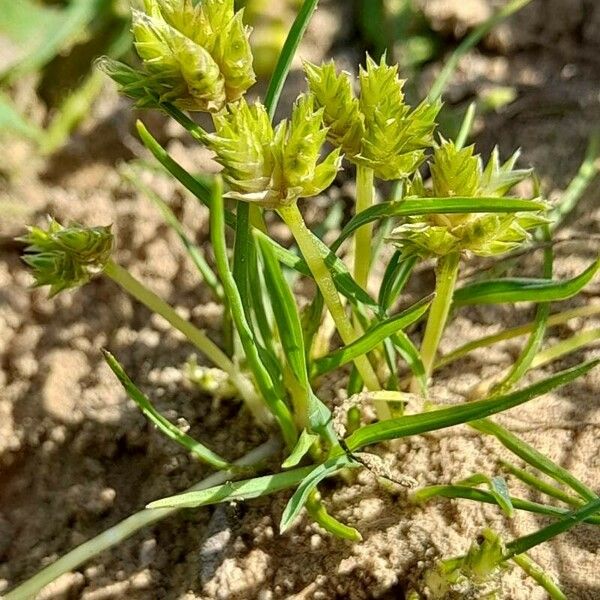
x: 69, y: 257
x: 363, y: 238
x: 446, y: 276
x: 196, y: 336
x: 294, y: 220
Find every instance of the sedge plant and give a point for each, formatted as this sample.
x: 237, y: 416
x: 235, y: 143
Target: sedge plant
x: 197, y: 57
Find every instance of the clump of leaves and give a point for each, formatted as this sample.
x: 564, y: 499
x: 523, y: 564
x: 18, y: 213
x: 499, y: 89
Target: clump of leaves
x: 277, y: 358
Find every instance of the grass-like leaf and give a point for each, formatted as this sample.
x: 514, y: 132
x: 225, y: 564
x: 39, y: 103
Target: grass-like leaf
x: 524, y: 290
x: 455, y: 415
x: 303, y: 445
x: 534, y: 343
x: 513, y: 332
x: 287, y: 54
x: 260, y: 372
x: 531, y: 456
x: 394, y: 279
x: 465, y: 492
x: 308, y: 407
x: 370, y: 340
x: 309, y: 483
x: 429, y: 206
x: 238, y: 490
x: 163, y: 425
x: 563, y: 525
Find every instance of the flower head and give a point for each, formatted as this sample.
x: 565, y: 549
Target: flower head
x: 459, y: 173
x: 195, y: 55
x: 67, y: 257
x: 273, y: 166
x: 377, y: 129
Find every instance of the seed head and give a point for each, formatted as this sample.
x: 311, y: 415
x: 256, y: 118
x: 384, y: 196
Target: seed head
x: 377, y: 129
x: 196, y: 56
x: 273, y: 167
x: 67, y: 257
x: 459, y: 173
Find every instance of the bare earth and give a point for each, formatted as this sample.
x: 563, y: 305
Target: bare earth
x: 76, y: 456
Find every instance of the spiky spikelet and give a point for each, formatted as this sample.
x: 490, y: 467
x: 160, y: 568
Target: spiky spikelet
x: 197, y: 57
x: 378, y: 129
x: 273, y: 167
x: 67, y: 257
x: 459, y: 173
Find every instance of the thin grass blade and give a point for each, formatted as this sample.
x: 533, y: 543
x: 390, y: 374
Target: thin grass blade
x: 448, y: 417
x: 511, y: 290
x: 429, y: 206
x: 370, y: 340
x: 298, y: 500
x: 162, y: 424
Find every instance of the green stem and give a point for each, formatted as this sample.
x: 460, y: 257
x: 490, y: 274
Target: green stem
x: 363, y: 237
x: 197, y: 337
x: 446, y: 276
x: 294, y: 220
x: 126, y: 528
x: 539, y: 576
x: 263, y: 379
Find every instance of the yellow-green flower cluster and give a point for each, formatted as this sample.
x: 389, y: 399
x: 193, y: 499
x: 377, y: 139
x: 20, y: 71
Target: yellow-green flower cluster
x: 67, y: 257
x: 195, y: 55
x: 377, y: 129
x: 460, y: 173
x: 273, y: 166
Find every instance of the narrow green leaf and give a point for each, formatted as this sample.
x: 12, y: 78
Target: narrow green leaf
x: 303, y: 445
x: 162, y: 424
x: 447, y: 417
x: 287, y: 55
x: 464, y: 492
x: 525, y: 543
x: 532, y: 456
x: 540, y: 485
x: 523, y: 290
x: 539, y: 576
x: 466, y: 126
x: 318, y: 512
x: 194, y: 251
x: 289, y: 326
x: 397, y: 273
x: 286, y: 314
x: 238, y: 490
x: 309, y: 483
x: 499, y: 488
x: 534, y: 343
x: 199, y: 188
x: 409, y: 353
x: 260, y: 372
x: 429, y: 206
x: 370, y: 339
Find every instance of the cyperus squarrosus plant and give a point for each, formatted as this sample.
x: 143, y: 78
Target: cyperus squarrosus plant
x: 196, y: 57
